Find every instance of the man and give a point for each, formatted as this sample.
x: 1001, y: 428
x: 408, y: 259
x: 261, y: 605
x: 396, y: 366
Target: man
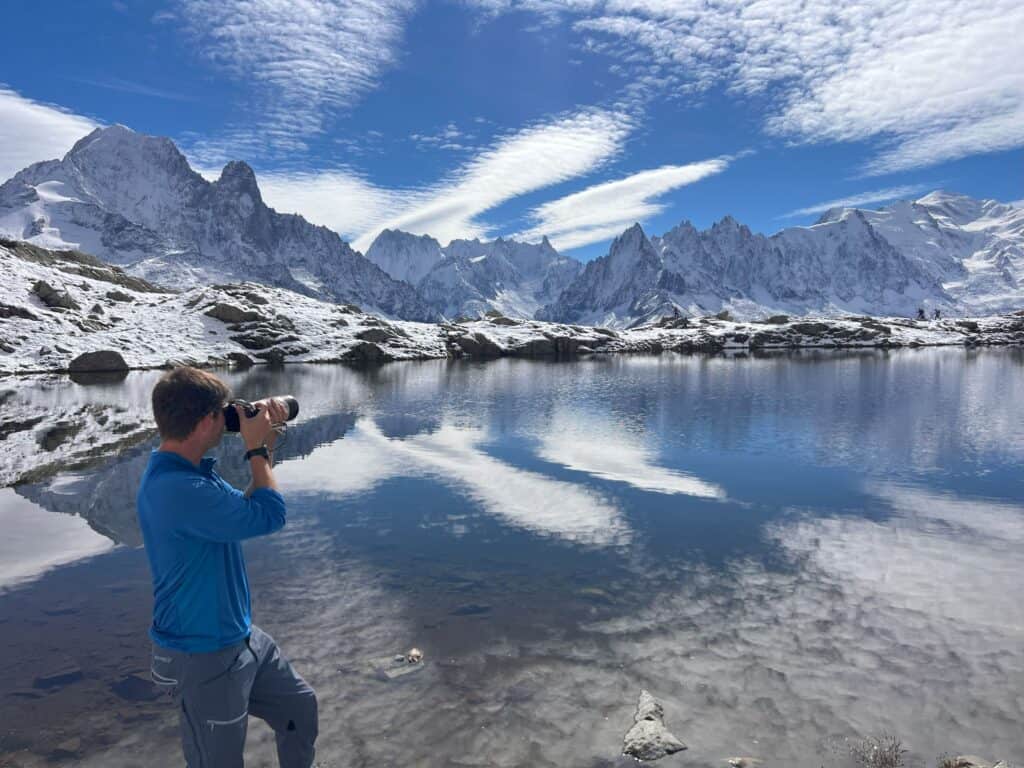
x: 219, y: 666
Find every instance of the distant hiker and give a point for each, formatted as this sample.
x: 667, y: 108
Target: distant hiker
x: 206, y: 651
x: 920, y: 314
x: 675, y: 311
x: 937, y: 314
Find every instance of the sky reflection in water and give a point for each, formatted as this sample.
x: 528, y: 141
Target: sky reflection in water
x: 788, y: 551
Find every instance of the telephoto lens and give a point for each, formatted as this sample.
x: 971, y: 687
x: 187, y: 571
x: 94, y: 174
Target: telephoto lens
x: 231, y: 416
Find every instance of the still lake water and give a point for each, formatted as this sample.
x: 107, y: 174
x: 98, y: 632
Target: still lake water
x: 789, y: 551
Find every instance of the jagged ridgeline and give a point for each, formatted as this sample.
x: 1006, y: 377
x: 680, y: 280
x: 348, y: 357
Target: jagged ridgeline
x: 133, y: 200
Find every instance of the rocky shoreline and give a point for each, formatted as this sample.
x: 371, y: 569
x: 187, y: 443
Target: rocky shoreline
x: 63, y: 311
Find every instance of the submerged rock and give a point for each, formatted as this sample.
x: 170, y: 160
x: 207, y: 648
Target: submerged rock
x: 649, y: 739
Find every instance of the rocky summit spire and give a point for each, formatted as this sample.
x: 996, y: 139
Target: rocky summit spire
x: 238, y: 178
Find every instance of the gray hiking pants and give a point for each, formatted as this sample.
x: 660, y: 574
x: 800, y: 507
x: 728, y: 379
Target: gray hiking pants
x: 216, y: 692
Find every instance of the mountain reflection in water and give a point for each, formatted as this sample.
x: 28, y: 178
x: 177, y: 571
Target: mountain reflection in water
x: 788, y: 551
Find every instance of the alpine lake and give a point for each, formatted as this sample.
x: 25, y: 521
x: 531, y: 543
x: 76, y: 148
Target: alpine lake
x: 792, y: 552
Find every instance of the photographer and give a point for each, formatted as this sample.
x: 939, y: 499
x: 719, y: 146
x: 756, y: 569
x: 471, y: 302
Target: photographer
x: 219, y: 666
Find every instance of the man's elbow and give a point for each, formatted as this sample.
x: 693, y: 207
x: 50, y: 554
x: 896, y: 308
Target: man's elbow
x: 272, y: 509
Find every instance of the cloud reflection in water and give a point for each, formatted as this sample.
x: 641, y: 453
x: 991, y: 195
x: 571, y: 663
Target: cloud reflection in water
x: 453, y: 456
x: 617, y: 455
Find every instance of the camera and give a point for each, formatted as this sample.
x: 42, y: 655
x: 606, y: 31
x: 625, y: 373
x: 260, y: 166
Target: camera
x: 231, y: 415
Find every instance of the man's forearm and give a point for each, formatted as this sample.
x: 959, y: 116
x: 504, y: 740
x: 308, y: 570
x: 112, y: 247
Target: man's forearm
x: 262, y: 473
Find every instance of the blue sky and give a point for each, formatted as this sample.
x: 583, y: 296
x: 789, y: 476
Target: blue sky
x: 571, y: 118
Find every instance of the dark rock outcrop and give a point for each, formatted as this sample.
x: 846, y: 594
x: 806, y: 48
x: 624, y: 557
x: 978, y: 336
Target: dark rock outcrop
x: 229, y: 313
x: 53, y: 297
x: 94, y: 362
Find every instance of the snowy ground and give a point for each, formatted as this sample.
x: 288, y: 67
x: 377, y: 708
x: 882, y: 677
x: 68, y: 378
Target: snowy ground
x: 108, y: 310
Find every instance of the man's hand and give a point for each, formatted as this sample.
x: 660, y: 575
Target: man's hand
x: 255, y: 431
x: 278, y: 415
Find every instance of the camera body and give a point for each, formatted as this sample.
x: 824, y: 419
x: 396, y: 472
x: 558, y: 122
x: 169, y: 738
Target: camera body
x: 231, y: 415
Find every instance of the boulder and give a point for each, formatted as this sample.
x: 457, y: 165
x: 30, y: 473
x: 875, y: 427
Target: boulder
x: 256, y: 298
x: 649, y: 739
x: 229, y: 313
x: 477, y: 345
x: 273, y: 356
x: 52, y: 297
x: 777, y: 320
x: 550, y: 346
x: 94, y: 362
x: 240, y: 359
x: 811, y: 329
x: 366, y: 352
x: 12, y: 310
x: 502, y: 320
x: 379, y: 335
x: 118, y: 296
x: 262, y: 337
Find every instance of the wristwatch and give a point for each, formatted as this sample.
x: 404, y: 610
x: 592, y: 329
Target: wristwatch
x: 261, y: 451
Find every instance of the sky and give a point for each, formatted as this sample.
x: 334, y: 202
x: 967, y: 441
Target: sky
x: 566, y: 118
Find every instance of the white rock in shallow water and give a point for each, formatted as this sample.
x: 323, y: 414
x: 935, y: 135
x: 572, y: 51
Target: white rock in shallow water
x: 649, y: 739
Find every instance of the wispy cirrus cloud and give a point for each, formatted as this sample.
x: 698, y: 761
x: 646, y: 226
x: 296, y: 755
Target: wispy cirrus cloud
x: 31, y: 131
x: 930, y: 80
x: 129, y: 86
x: 605, y: 210
x: 865, y: 198
x: 533, y: 158
x: 307, y: 59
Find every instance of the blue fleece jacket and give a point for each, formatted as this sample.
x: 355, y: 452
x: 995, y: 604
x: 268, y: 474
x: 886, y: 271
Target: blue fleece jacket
x: 192, y: 521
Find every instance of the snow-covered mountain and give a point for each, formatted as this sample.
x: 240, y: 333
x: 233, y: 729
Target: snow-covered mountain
x: 944, y: 251
x: 133, y: 200
x: 404, y: 256
x: 468, y: 277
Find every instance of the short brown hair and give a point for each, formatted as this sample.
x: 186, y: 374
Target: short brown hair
x: 182, y: 397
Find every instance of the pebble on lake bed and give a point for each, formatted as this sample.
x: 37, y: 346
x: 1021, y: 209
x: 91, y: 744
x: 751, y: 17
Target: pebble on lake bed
x: 399, y: 665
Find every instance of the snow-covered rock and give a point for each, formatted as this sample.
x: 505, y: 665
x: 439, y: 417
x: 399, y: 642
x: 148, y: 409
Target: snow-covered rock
x: 468, y: 277
x: 948, y: 252
x: 133, y: 200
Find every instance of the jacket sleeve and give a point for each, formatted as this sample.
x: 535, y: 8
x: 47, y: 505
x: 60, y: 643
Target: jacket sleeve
x: 209, y: 509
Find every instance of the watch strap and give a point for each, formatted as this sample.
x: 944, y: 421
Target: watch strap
x: 261, y: 451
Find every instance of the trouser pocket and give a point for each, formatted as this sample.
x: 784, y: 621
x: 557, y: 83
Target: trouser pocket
x: 165, y: 669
